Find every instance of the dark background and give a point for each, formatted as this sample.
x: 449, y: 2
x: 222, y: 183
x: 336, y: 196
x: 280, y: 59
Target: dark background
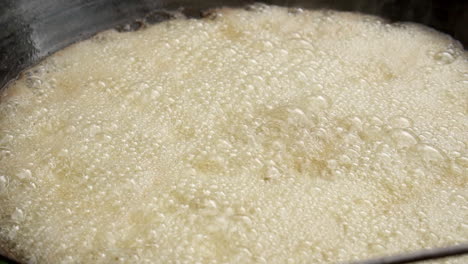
x: 32, y: 29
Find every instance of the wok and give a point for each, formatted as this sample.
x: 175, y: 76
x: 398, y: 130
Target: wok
x: 30, y: 30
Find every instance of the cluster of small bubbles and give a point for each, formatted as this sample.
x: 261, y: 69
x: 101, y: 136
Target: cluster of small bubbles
x: 248, y: 136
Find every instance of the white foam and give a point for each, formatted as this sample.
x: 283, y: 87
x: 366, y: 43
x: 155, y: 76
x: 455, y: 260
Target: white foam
x: 259, y: 136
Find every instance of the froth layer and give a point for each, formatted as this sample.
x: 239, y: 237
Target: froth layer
x: 264, y: 136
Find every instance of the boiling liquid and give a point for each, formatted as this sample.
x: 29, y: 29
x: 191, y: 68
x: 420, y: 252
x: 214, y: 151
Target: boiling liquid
x: 264, y: 136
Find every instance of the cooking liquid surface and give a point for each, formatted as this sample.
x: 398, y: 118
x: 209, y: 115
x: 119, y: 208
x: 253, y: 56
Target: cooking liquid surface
x: 261, y: 136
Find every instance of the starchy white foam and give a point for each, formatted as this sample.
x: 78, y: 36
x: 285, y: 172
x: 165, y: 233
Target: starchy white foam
x: 262, y: 136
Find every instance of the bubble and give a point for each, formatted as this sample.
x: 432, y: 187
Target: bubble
x: 353, y: 123
x: 94, y: 130
x: 13, y: 232
x: 445, y: 57
x: 3, y: 183
x: 462, y: 161
x: 70, y: 129
x: 272, y: 173
x: 332, y: 164
x: 17, y: 215
x: 344, y: 159
x: 154, y: 94
x: 403, y: 138
x: 62, y: 153
x: 318, y: 102
x: 24, y: 174
x: 429, y: 153
x: 128, y: 27
x: 400, y: 122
